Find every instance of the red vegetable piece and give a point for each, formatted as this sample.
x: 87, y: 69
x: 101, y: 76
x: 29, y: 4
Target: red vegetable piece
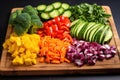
x: 65, y: 28
x: 57, y: 19
x: 49, y: 31
x: 54, y: 27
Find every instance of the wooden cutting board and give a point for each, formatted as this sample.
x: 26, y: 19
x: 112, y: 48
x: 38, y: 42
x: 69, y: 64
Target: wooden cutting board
x: 106, y: 66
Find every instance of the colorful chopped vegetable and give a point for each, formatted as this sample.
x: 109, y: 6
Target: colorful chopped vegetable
x: 90, y: 13
x: 23, y: 49
x: 57, y: 28
x: 53, y: 50
x: 82, y: 52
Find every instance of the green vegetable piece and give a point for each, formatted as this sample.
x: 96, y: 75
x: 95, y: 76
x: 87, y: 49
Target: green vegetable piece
x: 22, y: 23
x: 30, y: 10
x: 35, y: 21
x: 14, y: 15
x: 90, y: 13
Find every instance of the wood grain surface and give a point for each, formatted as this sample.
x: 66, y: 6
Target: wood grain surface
x: 106, y: 66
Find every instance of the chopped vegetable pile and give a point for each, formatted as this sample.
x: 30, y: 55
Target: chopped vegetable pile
x: 53, y: 50
x: 23, y: 49
x: 90, y: 13
x: 58, y: 32
x: 82, y: 52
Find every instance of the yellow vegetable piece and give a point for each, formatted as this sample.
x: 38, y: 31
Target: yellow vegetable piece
x: 23, y: 49
x: 28, y: 61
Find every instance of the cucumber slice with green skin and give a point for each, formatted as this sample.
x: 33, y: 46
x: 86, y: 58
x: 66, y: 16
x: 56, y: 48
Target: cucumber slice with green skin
x: 72, y: 29
x: 65, y: 6
x: 102, y: 36
x: 79, y: 34
x: 89, y: 31
x: 67, y: 13
x: 96, y: 31
x: 54, y: 13
x: 45, y: 16
x: 108, y: 36
x: 41, y: 7
x: 57, y: 5
x: 61, y: 10
x: 87, y: 28
x: 49, y: 8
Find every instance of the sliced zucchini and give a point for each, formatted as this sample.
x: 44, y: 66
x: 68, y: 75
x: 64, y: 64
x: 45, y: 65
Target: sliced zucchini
x: 41, y: 7
x: 67, y: 13
x: 45, y: 16
x: 54, y: 13
x: 65, y: 6
x: 57, y: 5
x: 49, y: 8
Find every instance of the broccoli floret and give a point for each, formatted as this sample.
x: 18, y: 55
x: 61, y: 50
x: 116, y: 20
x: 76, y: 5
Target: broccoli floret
x: 24, y: 20
x: 35, y: 21
x: 30, y: 10
x: 22, y: 23
x: 14, y: 15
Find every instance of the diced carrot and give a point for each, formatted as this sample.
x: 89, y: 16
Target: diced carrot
x: 66, y: 60
x: 53, y: 49
x: 55, y: 61
x: 42, y: 59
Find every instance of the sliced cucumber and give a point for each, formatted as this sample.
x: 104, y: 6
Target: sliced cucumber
x: 54, y: 13
x: 41, y: 7
x: 67, y: 13
x: 57, y: 5
x: 61, y: 10
x: 65, y: 6
x: 49, y: 8
x: 45, y: 16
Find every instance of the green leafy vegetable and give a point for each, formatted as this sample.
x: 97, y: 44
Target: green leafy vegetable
x: 88, y: 12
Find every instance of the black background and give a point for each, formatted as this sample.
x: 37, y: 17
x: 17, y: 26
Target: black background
x: 7, y: 5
